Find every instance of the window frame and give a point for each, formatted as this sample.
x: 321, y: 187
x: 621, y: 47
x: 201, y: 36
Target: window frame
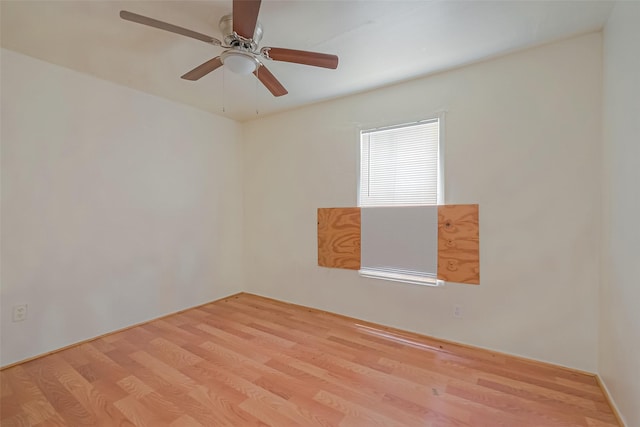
x: 440, y: 196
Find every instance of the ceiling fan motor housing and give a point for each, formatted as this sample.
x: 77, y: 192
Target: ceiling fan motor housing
x: 232, y: 39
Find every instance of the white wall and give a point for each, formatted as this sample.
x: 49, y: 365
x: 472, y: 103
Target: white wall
x: 619, y: 363
x: 523, y: 139
x: 117, y: 206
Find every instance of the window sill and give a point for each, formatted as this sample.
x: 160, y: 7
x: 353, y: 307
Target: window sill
x: 412, y: 277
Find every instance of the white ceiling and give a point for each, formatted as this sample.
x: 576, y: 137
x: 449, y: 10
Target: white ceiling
x: 378, y: 42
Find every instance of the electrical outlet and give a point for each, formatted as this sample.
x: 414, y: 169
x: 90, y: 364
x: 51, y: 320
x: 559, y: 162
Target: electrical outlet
x: 457, y: 311
x: 19, y: 312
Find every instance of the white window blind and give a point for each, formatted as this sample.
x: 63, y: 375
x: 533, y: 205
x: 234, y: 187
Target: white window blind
x: 399, y: 165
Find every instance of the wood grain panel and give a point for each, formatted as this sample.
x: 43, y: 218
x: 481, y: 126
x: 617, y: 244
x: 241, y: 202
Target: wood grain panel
x: 253, y: 361
x: 339, y: 238
x: 459, y: 244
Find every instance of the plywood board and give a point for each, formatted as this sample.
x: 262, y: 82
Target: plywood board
x: 459, y: 244
x: 339, y: 238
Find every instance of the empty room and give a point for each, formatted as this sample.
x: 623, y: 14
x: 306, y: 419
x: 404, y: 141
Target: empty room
x: 320, y: 213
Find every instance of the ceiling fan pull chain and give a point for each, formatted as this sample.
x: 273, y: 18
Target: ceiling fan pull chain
x: 223, y: 87
x: 256, y: 92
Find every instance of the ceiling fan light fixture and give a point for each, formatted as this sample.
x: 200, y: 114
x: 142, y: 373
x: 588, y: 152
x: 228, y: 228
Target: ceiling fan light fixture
x: 239, y: 63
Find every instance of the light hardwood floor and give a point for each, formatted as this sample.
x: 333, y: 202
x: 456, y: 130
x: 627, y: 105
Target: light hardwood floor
x: 252, y: 361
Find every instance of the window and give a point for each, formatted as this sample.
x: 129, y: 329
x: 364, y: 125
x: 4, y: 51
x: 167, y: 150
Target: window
x: 400, y: 165
x: 400, y: 182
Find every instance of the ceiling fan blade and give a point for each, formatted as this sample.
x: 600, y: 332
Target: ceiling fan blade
x: 204, y: 69
x: 245, y: 17
x: 301, y: 57
x: 270, y: 81
x: 144, y: 20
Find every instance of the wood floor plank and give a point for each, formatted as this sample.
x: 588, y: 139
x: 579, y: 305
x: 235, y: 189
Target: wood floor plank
x: 57, y: 421
x: 10, y: 406
x: 203, y: 413
x: 223, y: 402
x: 162, y: 406
x: 508, y: 403
x: 38, y: 411
x: 185, y: 421
x: 89, y: 397
x: 173, y: 354
x: 138, y: 413
x: 353, y: 411
x: 134, y: 386
x: 57, y: 397
x: 252, y: 361
x: 17, y: 420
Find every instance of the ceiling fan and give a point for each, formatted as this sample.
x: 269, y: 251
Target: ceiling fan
x: 242, y: 33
